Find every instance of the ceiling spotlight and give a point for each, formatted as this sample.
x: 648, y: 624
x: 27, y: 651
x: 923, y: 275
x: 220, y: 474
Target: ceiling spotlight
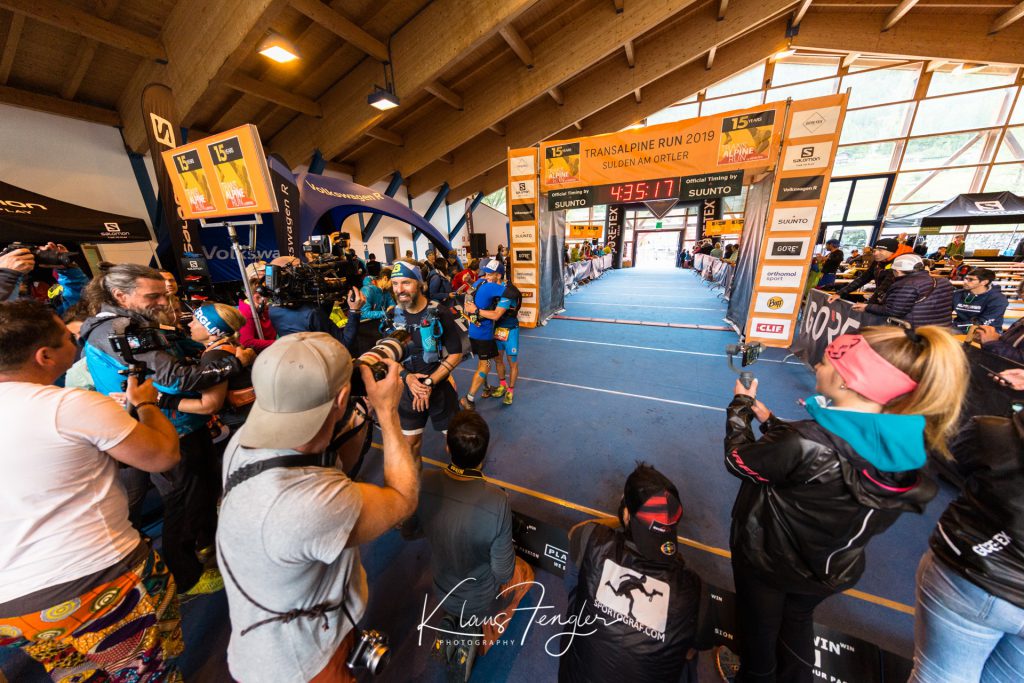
x: 382, y: 98
x: 278, y: 48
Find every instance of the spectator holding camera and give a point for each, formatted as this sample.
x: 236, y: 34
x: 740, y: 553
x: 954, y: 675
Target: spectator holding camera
x: 915, y: 296
x: 634, y: 589
x: 134, y: 298
x: 291, y: 522
x: 14, y: 265
x: 78, y: 586
x: 813, y: 492
x: 979, y: 303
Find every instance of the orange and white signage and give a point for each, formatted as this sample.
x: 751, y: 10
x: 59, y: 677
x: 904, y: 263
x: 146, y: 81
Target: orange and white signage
x: 523, y: 212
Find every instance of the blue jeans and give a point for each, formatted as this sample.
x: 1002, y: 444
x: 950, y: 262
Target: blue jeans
x: 962, y: 633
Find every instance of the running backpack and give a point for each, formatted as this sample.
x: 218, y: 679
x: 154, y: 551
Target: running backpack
x: 431, y: 332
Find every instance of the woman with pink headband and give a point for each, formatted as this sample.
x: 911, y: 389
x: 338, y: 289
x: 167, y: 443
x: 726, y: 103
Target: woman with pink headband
x: 815, y: 491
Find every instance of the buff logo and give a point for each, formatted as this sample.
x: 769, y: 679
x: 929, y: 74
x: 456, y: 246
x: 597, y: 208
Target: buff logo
x: 775, y: 303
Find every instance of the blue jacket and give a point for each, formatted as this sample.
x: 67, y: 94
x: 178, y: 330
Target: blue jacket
x: 72, y: 280
x: 919, y: 299
x: 980, y: 309
x: 176, y: 371
x: 377, y: 300
x: 313, y: 318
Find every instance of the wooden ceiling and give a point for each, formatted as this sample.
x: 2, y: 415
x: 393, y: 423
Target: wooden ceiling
x: 474, y: 76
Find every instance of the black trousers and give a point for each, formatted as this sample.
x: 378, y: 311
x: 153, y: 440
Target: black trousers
x: 189, y: 492
x: 774, y: 630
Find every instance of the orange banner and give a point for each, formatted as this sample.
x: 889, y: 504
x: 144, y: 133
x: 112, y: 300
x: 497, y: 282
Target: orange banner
x: 747, y: 138
x: 222, y: 175
x: 731, y: 226
x: 584, y: 231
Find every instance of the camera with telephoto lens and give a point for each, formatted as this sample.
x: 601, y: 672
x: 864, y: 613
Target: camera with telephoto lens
x: 305, y: 283
x: 371, y: 652
x: 44, y: 257
x: 749, y: 353
x: 394, y: 347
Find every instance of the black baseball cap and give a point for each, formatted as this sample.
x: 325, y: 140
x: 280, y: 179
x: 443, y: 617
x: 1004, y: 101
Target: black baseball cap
x: 654, y: 513
x: 887, y: 243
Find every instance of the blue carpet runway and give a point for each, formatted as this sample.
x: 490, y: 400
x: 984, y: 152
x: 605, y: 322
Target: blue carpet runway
x: 592, y: 399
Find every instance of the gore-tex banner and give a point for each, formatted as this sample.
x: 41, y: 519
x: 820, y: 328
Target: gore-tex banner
x: 615, y: 218
x: 821, y: 323
x: 162, y: 132
x: 709, y: 210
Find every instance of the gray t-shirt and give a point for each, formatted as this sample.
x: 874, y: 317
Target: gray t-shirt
x: 283, y: 534
x: 468, y: 523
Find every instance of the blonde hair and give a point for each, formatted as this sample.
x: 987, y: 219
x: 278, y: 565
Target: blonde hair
x: 939, y: 366
x: 231, y: 315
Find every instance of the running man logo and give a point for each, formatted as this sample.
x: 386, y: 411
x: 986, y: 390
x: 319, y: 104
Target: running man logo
x: 641, y: 600
x: 163, y: 131
x: 775, y: 303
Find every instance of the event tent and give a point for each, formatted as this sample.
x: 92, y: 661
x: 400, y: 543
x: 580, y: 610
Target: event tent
x: 983, y: 208
x: 35, y: 218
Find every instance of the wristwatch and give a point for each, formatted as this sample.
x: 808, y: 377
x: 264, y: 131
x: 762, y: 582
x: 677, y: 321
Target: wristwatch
x: 427, y: 381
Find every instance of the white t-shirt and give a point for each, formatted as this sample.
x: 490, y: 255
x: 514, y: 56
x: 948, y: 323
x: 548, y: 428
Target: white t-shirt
x: 283, y: 535
x: 63, y: 511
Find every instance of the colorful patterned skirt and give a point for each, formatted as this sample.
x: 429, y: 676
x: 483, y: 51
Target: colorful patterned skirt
x: 127, y: 629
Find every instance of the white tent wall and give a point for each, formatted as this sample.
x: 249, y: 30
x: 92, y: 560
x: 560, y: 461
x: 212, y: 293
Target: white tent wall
x: 74, y: 161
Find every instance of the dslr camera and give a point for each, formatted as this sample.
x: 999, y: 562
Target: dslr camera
x: 371, y: 652
x: 44, y: 257
x: 136, y: 337
x: 306, y: 283
x: 394, y: 347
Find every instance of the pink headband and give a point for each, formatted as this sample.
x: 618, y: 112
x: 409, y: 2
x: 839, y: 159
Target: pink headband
x: 866, y: 372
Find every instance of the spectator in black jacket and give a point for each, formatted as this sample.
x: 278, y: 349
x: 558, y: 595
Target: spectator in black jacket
x: 915, y: 296
x: 970, y: 583
x: 373, y: 266
x: 1009, y: 344
x: 830, y: 265
x: 878, y: 271
x: 979, y: 303
x: 815, y: 491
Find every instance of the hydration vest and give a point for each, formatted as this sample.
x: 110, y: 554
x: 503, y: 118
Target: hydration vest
x: 430, y: 330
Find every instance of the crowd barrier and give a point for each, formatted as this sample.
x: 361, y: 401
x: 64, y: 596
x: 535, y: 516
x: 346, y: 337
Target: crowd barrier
x: 837, y: 656
x: 714, y: 271
x: 581, y: 271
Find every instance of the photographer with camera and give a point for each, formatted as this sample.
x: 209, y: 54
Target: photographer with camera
x: 436, y: 347
x: 14, y: 264
x: 134, y: 299
x: 18, y: 260
x: 291, y: 522
x: 78, y: 586
x: 813, y: 492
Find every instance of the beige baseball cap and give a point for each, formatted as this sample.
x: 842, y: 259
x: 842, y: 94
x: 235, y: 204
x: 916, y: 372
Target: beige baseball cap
x: 296, y: 380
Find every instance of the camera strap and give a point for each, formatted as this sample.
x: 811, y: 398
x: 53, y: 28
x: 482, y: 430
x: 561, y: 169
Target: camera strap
x: 319, y: 611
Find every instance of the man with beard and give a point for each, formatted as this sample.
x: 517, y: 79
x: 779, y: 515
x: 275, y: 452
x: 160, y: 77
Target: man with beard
x: 134, y: 300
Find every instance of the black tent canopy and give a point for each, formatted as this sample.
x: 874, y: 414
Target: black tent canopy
x: 982, y: 208
x: 35, y: 218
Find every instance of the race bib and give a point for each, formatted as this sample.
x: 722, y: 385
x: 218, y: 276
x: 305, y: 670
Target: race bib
x: 501, y: 333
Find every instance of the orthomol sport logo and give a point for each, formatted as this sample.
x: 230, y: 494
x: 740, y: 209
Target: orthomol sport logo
x: 773, y: 277
x: 800, y: 188
x: 799, y: 157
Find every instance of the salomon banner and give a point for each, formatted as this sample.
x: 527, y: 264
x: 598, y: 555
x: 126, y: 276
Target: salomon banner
x: 614, y: 221
x: 810, y: 138
x: 163, y: 133
x: 286, y: 218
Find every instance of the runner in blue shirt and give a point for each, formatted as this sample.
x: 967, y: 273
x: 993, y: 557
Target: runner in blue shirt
x: 480, y: 308
x: 506, y: 334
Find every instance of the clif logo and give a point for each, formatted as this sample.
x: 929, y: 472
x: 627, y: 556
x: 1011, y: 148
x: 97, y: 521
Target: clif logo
x: 769, y: 328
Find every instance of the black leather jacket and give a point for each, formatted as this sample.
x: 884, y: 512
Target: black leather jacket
x: 809, y: 504
x: 981, y: 534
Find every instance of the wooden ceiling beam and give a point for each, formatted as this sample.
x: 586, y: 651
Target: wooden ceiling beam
x: 849, y: 59
x: 593, y: 90
x: 630, y: 55
x: 638, y: 96
x: 196, y: 57
x: 272, y: 93
x: 1008, y: 17
x: 557, y: 95
x: 491, y: 99
x: 419, y: 58
x: 447, y: 159
x: 800, y: 12
x: 711, y: 57
x: 497, y: 128
x: 55, y: 105
x: 898, y: 13
x: 619, y: 6
x: 342, y: 27
x: 88, y: 25
x: 922, y: 35
x: 723, y: 5
x: 518, y: 45
x: 385, y: 135
x: 445, y: 94
x: 86, y: 51
x: 11, y: 46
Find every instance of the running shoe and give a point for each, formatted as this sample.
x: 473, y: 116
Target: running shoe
x: 498, y: 392
x: 466, y: 404
x: 488, y: 392
x: 508, y: 398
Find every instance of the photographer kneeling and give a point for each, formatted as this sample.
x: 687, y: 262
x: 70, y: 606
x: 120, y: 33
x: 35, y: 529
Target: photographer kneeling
x: 815, y: 491
x: 287, y: 537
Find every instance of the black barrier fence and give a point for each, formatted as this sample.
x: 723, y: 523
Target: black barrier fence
x: 577, y: 273
x: 838, y: 658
